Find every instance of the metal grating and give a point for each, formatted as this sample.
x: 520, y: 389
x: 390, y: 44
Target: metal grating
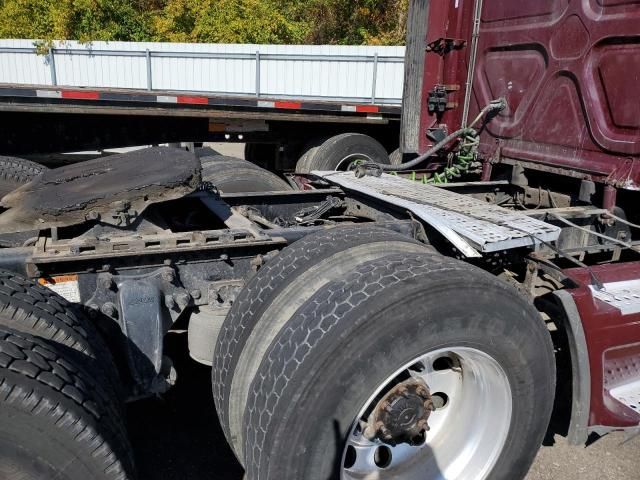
x: 488, y: 227
x: 625, y: 296
x: 628, y: 394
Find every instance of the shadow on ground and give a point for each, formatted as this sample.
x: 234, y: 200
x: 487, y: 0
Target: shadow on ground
x: 178, y: 437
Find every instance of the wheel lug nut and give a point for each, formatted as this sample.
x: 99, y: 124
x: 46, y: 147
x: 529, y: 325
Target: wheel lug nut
x: 369, y: 433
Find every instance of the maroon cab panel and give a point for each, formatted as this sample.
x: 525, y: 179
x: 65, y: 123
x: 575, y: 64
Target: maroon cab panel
x: 570, y: 70
x: 613, y: 343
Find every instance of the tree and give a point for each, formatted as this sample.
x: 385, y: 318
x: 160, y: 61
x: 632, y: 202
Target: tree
x: 222, y: 21
x: 227, y: 21
x: 83, y: 20
x: 357, y: 22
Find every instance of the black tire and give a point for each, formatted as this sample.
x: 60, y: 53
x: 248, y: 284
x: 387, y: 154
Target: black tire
x: 15, y: 172
x: 311, y: 384
x: 334, y: 153
x: 205, y: 153
x: 306, y: 159
x: 31, y: 308
x: 274, y: 294
x: 55, y: 420
x: 395, y: 157
x: 262, y: 154
x: 233, y: 175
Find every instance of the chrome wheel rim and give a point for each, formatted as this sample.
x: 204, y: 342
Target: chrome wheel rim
x: 468, y: 428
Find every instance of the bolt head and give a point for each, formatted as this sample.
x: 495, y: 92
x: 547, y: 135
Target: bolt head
x: 109, y: 309
x: 183, y: 299
x: 369, y: 433
x: 168, y: 275
x: 106, y: 282
x: 422, y: 392
x: 169, y: 301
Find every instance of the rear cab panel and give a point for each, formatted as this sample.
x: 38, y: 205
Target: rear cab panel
x: 568, y: 70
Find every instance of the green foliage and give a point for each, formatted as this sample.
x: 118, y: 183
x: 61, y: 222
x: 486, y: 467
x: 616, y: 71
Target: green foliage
x: 355, y: 22
x: 216, y: 21
x: 83, y: 20
x: 226, y: 21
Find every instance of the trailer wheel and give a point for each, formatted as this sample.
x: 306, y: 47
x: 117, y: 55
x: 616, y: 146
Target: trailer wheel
x: 205, y: 153
x: 28, y: 307
x: 409, y: 367
x: 273, y: 295
x: 395, y: 157
x: 56, y: 421
x: 339, y: 152
x: 15, y: 172
x: 262, y: 154
x: 233, y: 175
x: 306, y: 159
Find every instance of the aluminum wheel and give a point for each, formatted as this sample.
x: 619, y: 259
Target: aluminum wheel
x: 347, y: 162
x: 470, y: 398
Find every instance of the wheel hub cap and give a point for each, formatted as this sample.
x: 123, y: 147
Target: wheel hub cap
x: 402, y: 415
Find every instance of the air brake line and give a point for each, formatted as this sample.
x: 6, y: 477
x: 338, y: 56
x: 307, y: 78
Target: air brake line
x: 595, y: 281
x: 469, y: 132
x: 595, y: 234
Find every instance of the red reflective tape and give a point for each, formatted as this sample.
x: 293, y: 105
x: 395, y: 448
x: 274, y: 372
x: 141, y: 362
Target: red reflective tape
x: 80, y: 95
x: 193, y: 100
x: 289, y: 105
x: 367, y: 109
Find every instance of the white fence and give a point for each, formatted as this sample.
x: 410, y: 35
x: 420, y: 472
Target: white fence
x: 363, y: 74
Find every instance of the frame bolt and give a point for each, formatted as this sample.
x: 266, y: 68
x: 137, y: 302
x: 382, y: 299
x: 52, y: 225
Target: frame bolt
x: 169, y: 301
x: 109, y: 309
x: 106, y: 282
x: 168, y: 275
x: 183, y: 299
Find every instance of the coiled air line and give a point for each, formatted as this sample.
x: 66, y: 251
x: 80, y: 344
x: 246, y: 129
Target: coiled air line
x: 469, y: 133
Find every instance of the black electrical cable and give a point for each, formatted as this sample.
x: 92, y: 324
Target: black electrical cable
x: 493, y: 107
x: 429, y: 153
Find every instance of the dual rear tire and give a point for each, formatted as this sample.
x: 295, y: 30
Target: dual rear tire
x: 15, y: 172
x: 323, y: 333
x: 61, y: 412
x: 340, y: 152
x: 234, y: 175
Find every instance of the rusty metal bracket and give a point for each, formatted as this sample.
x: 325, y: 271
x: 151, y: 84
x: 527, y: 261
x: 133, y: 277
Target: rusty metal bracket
x: 443, y: 46
x: 438, y: 99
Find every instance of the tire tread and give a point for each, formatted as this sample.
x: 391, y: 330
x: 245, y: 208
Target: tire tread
x: 37, y: 379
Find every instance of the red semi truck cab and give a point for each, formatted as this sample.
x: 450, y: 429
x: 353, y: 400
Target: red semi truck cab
x: 357, y: 324
x: 568, y: 71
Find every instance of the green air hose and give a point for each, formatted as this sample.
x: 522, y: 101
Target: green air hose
x: 461, y: 163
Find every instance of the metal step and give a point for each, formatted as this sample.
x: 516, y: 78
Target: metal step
x: 628, y: 394
x: 486, y: 227
x: 625, y: 296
